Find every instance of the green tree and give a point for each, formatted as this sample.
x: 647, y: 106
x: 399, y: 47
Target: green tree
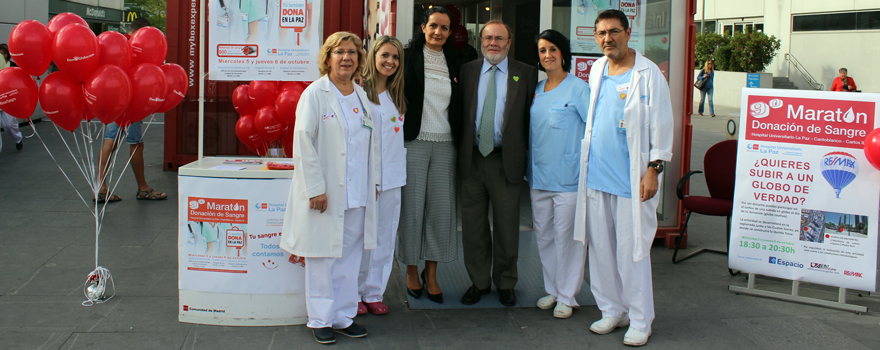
x: 152, y: 10
x: 742, y: 52
x: 707, y: 45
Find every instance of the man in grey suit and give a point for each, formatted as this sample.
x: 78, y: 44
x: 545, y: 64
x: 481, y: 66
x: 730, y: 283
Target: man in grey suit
x: 498, y: 92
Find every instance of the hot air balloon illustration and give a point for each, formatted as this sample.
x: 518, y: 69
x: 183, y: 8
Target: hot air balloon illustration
x: 839, y: 169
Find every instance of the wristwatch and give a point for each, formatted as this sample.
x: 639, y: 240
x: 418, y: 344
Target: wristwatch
x: 656, y: 166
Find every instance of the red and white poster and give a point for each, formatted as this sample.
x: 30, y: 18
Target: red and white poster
x: 581, y: 66
x: 229, y: 235
x: 807, y: 202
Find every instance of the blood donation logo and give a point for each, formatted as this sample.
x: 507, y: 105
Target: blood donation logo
x: 582, y: 66
x: 835, y: 123
x: 759, y: 110
x: 839, y: 169
x: 233, y: 211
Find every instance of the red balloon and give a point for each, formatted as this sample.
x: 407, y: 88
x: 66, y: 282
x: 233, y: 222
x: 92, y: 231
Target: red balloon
x: 107, y: 92
x: 176, y: 84
x: 247, y: 132
x: 148, y: 45
x: 30, y: 45
x: 872, y: 148
x: 286, y: 103
x: 262, y: 93
x: 87, y: 113
x: 114, y: 49
x: 61, y: 20
x: 242, y: 102
x: 147, y: 91
x: 300, y: 85
x: 18, y: 93
x: 287, y: 142
x: 76, y: 53
x: 268, y: 124
x: 62, y: 100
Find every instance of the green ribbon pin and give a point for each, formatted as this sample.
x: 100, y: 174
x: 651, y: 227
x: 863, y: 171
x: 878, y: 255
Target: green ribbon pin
x: 515, y: 78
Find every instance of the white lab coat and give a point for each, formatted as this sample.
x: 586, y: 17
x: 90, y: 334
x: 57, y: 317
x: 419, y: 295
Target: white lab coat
x: 319, y: 149
x: 648, y: 118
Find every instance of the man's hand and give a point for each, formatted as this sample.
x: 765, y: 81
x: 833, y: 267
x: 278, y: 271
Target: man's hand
x: 648, y: 186
x: 319, y: 202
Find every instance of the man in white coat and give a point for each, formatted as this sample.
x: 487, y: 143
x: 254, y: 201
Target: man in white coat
x: 628, y: 137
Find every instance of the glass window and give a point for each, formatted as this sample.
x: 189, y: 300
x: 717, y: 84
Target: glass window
x: 868, y: 20
x: 836, y: 21
x: 840, y: 21
x: 728, y: 30
x: 738, y: 28
x: 759, y: 27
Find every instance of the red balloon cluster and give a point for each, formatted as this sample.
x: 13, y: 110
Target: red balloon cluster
x: 267, y: 111
x: 105, y: 76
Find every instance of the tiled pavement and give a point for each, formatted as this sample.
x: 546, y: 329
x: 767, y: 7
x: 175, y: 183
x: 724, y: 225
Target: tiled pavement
x: 47, y: 248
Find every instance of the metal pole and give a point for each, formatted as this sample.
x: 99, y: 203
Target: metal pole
x: 703, y: 21
x: 201, y: 78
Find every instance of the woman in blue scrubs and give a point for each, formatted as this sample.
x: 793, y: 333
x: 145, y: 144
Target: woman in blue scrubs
x: 556, y: 129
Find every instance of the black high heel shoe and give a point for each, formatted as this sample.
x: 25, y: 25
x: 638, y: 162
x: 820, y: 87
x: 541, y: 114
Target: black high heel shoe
x: 437, y: 298
x: 415, y: 293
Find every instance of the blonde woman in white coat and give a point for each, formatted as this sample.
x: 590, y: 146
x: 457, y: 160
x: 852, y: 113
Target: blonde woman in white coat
x: 383, y: 83
x: 331, y: 210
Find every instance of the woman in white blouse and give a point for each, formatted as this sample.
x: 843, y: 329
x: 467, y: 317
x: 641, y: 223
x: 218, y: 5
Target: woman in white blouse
x: 331, y: 210
x: 428, y: 207
x: 383, y: 82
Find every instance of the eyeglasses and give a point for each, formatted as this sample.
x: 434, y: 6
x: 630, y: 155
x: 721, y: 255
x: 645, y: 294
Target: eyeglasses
x: 343, y: 52
x: 489, y: 38
x: 614, y: 33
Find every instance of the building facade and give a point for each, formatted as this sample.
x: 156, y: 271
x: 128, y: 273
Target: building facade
x: 823, y: 36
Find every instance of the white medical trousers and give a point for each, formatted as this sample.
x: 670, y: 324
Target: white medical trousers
x: 10, y: 124
x: 376, y: 263
x: 331, y: 283
x: 620, y: 285
x: 562, y: 258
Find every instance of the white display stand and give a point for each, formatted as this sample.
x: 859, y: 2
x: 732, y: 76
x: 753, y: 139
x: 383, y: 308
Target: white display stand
x: 238, y: 309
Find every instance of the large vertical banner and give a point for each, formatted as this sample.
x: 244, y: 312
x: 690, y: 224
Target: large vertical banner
x: 807, y: 202
x: 584, y: 13
x: 264, y: 39
x: 230, y: 231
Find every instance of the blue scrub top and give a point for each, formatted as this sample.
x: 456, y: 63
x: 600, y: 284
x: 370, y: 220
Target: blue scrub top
x: 609, y: 154
x: 556, y: 129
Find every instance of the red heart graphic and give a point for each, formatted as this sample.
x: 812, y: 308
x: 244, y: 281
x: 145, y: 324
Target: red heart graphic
x: 396, y: 129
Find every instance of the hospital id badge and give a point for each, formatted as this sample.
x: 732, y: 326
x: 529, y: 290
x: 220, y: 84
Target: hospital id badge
x: 244, y: 16
x: 367, y: 122
x: 622, y: 127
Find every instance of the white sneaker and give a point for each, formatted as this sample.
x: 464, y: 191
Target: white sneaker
x: 608, y: 324
x: 561, y: 310
x: 635, y: 337
x: 546, y: 302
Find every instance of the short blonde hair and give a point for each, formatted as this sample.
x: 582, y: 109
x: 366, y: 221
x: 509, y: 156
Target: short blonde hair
x: 334, y: 41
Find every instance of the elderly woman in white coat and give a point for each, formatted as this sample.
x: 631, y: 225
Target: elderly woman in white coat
x: 331, y: 210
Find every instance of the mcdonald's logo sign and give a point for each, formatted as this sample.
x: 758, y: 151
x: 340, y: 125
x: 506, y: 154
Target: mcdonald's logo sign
x: 131, y: 16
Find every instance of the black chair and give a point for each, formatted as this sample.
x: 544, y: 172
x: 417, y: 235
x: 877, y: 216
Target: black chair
x: 720, y: 173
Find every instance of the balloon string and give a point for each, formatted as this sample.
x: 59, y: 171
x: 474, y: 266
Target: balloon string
x: 78, y: 165
x: 55, y: 160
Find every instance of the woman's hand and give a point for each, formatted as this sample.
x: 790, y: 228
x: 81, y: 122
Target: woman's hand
x: 319, y: 202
